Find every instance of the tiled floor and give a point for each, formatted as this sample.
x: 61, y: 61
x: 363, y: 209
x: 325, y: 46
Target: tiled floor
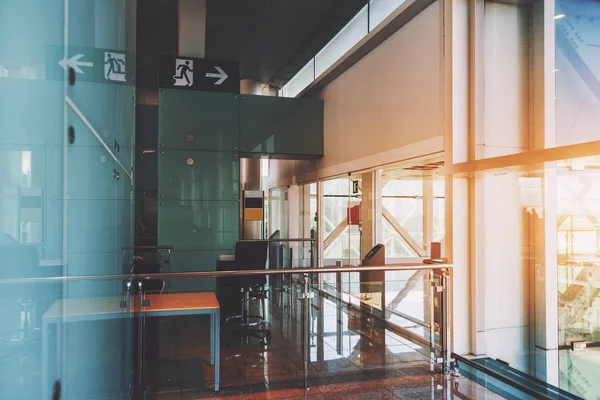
x: 347, y: 360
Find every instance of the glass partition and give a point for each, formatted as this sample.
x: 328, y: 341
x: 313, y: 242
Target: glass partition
x: 288, y: 335
x: 172, y: 334
x: 339, y: 213
x: 36, y: 317
x: 412, y: 210
x: 66, y: 157
x: 577, y: 71
x: 539, y: 247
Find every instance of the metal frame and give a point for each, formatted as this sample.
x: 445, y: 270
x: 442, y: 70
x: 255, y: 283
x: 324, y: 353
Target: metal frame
x: 126, y: 314
x: 436, y: 267
x: 221, y: 274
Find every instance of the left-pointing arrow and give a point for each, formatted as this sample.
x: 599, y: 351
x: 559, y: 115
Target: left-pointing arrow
x: 74, y: 63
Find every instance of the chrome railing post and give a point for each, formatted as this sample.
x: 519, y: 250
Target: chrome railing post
x: 446, y: 322
x: 141, y: 341
x: 444, y: 328
x: 128, y: 339
x: 306, y: 305
x: 432, y: 290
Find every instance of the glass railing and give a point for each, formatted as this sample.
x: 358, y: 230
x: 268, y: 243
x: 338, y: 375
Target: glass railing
x: 119, y: 336
x: 510, y: 383
x: 367, y: 19
x: 72, y: 335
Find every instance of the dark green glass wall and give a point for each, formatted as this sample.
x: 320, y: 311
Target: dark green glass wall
x: 202, y: 136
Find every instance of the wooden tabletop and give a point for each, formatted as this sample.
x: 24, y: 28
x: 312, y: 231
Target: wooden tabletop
x: 83, y: 307
x: 108, y: 306
x: 181, y: 302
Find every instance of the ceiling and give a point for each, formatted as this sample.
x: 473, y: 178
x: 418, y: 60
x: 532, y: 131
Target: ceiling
x: 273, y: 39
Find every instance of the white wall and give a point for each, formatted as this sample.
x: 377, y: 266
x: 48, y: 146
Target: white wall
x: 504, y: 252
x: 506, y: 101
x: 387, y: 107
x: 503, y: 240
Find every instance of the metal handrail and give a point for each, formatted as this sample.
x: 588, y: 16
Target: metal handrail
x: 148, y: 247
x: 280, y: 240
x: 224, y: 274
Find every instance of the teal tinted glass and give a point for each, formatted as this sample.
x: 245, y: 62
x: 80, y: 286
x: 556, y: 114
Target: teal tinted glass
x: 198, y: 225
x: 281, y: 125
x: 21, y: 98
x: 198, y: 175
x: 198, y: 120
x: 65, y: 196
x: 92, y: 103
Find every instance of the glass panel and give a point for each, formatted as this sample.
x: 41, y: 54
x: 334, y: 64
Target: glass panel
x: 93, y: 179
x: 356, y: 332
x: 192, y: 120
x: 268, y: 353
x: 198, y: 175
x: 91, y: 226
x: 413, y: 210
x: 439, y: 210
x: 577, y: 71
x: 380, y: 9
x: 100, y: 139
x: 351, y: 34
x: 101, y: 312
x: 402, y: 202
x: 340, y: 335
x: 336, y: 237
x: 577, y: 372
x: 300, y: 81
x: 512, y: 213
x: 198, y: 225
x: 578, y: 248
x: 20, y: 98
x: 279, y: 212
x: 395, y: 245
x: 94, y: 101
x: 495, y: 385
x: 192, y: 261
x: 43, y: 334
x: 272, y: 125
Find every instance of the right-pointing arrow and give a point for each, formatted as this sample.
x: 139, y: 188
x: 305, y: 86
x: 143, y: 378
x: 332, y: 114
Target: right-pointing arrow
x: 221, y: 75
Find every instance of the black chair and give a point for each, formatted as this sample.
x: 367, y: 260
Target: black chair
x: 276, y: 260
x: 143, y: 266
x: 249, y: 255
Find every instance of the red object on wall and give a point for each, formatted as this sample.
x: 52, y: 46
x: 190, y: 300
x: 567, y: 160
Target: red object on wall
x: 354, y: 215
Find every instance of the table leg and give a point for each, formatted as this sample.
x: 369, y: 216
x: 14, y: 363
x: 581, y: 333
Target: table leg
x: 59, y: 354
x: 45, y: 393
x: 212, y: 338
x: 217, y: 350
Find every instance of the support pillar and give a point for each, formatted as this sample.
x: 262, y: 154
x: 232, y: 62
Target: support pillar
x: 367, y: 213
x: 192, y: 28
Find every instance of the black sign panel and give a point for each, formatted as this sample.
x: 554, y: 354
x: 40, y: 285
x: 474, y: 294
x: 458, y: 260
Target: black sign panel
x: 90, y: 64
x: 199, y: 74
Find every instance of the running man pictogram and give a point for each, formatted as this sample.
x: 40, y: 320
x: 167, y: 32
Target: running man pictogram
x: 184, y: 73
x: 114, y: 66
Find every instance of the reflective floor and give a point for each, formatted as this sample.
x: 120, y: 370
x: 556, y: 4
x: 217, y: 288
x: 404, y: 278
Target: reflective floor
x: 345, y: 361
